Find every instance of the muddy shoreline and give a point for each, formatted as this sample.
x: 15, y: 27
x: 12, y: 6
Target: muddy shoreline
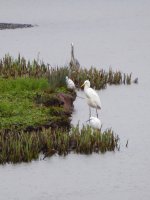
x: 14, y: 26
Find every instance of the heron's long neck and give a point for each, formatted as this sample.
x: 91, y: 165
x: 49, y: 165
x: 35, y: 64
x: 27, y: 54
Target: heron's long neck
x: 72, y: 52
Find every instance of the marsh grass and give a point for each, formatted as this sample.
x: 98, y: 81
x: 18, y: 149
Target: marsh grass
x: 99, y: 79
x: 30, y: 105
x: 24, y: 146
x: 56, y: 78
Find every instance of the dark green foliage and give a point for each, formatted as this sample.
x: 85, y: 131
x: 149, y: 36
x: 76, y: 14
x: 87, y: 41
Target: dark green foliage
x: 25, y: 103
x: 24, y: 146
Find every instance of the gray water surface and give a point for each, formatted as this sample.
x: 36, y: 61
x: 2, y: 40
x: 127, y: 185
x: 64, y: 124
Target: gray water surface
x: 105, y: 33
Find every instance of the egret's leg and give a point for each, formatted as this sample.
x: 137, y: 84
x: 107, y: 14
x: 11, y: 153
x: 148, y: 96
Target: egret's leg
x: 96, y: 112
x: 89, y: 112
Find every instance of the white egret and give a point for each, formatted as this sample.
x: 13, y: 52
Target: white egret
x: 70, y: 84
x: 93, y: 99
x: 95, y: 123
x: 74, y: 62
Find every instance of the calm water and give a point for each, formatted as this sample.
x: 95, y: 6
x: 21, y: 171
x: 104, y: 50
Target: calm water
x: 105, y: 33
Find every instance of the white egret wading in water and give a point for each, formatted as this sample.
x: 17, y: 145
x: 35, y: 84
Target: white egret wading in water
x: 70, y: 84
x: 95, y: 122
x: 74, y: 62
x: 93, y: 99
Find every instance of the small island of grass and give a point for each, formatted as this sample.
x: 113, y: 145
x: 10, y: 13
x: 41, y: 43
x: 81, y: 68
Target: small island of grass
x: 36, y: 109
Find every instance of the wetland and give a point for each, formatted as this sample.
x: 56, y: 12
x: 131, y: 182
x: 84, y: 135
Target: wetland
x: 107, y: 35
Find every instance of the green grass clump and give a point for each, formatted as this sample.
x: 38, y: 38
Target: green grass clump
x: 20, y: 67
x: 99, y: 78
x: 56, y: 78
x: 88, y: 140
x: 19, y: 85
x: 18, y: 106
x: 24, y: 146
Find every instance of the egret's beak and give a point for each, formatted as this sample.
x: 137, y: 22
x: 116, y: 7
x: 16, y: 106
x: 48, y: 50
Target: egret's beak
x: 82, y: 85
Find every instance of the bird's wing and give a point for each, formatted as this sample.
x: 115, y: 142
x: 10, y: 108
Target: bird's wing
x: 92, y: 94
x: 71, y: 83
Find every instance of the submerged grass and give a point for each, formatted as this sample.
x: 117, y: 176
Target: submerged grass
x: 24, y: 146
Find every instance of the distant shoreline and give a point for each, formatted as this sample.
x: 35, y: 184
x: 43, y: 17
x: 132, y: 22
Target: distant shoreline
x: 14, y: 26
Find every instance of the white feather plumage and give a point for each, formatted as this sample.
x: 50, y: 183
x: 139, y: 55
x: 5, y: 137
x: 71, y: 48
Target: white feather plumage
x: 95, y: 123
x: 93, y: 99
x: 70, y: 84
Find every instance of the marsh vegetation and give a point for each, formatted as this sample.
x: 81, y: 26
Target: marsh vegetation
x: 26, y: 146
x: 35, y: 117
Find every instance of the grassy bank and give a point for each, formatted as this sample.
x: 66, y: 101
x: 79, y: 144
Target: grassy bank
x: 23, y: 104
x: 36, y: 106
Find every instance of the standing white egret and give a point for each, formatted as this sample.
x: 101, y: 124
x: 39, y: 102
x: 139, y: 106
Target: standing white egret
x: 70, y: 84
x: 74, y: 62
x: 93, y: 99
x: 95, y: 123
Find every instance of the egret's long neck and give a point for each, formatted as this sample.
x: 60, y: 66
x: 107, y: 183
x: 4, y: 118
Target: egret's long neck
x: 85, y: 88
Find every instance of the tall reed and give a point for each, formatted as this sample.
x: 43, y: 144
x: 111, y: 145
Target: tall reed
x: 99, y: 79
